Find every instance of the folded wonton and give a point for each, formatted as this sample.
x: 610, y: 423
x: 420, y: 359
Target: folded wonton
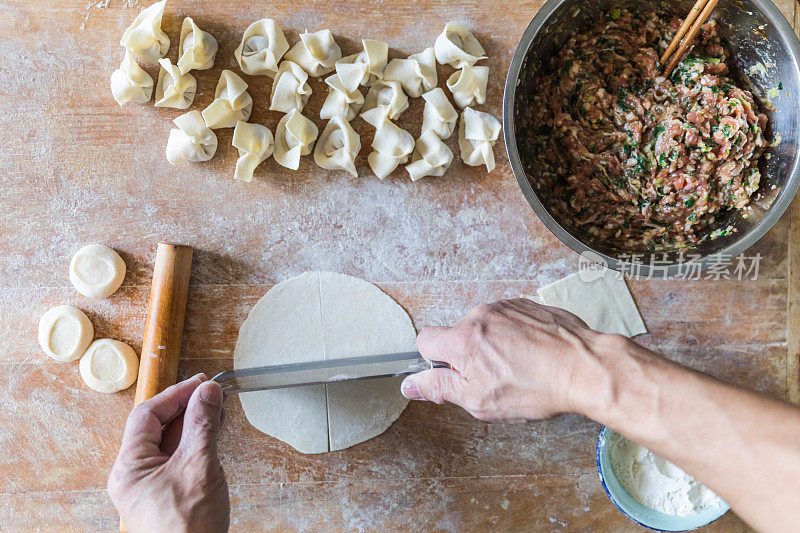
x: 262, y: 47
x: 196, y: 49
x: 290, y: 89
x: 417, y: 73
x: 388, y: 94
x: 477, y: 133
x: 341, y: 101
x: 231, y: 104
x: 439, y: 114
x: 294, y: 137
x: 316, y: 52
x: 457, y: 47
x: 391, y: 145
x: 173, y: 88
x: 364, y: 68
x: 255, y: 144
x: 468, y: 85
x: 191, y: 141
x: 144, y: 36
x: 431, y: 157
x: 338, y: 146
x: 130, y: 83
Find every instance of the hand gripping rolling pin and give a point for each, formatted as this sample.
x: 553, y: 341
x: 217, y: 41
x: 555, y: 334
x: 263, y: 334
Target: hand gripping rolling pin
x: 163, y: 327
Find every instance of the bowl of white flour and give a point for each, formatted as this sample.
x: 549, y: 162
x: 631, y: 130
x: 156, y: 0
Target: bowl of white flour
x: 650, y: 490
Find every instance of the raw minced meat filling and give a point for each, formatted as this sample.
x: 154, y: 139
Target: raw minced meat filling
x: 634, y: 158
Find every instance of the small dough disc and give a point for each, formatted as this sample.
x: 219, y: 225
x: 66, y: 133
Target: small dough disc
x: 109, y: 366
x: 96, y: 271
x: 65, y: 332
x: 313, y: 317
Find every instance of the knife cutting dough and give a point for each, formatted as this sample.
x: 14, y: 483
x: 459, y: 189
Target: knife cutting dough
x: 685, y: 443
x: 319, y: 316
x: 513, y: 361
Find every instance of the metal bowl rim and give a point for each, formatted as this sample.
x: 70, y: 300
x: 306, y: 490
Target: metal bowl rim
x: 779, y: 206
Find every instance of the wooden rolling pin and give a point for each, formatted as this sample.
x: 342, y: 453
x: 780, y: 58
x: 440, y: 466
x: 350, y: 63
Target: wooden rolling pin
x: 163, y: 326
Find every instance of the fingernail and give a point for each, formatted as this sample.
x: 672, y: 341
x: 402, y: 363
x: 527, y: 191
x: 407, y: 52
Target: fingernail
x: 200, y: 377
x: 211, y: 393
x: 410, y: 389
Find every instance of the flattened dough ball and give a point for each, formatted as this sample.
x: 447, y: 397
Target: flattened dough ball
x: 96, y: 271
x: 65, y: 332
x: 109, y: 366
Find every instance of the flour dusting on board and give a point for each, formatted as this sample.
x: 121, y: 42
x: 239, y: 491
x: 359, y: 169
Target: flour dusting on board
x: 100, y: 4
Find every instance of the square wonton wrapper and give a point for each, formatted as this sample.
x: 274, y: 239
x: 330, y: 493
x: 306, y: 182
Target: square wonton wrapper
x: 605, y: 304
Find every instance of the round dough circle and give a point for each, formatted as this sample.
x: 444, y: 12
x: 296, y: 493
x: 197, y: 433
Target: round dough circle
x: 96, y: 271
x: 313, y: 317
x: 65, y: 332
x: 109, y: 366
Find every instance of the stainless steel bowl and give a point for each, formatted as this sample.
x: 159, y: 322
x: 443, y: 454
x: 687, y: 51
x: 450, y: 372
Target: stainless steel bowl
x: 756, y: 33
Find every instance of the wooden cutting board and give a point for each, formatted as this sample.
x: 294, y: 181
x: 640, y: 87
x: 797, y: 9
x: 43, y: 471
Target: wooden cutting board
x: 76, y: 168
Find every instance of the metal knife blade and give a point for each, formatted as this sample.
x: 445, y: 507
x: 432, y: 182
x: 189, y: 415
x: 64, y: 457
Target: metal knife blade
x: 328, y: 371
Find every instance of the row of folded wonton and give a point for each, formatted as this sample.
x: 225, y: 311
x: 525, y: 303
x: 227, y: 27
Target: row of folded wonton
x: 264, y: 50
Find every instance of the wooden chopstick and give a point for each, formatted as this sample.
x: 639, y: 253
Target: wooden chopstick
x: 693, y: 14
x: 686, y: 34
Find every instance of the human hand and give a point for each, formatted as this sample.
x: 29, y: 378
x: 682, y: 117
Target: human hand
x: 167, y: 476
x: 514, y: 360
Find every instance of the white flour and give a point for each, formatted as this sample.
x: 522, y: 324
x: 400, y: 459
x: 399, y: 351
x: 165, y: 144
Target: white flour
x: 655, y: 482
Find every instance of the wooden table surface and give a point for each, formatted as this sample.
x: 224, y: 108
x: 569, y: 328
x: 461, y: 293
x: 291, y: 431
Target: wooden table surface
x: 76, y: 168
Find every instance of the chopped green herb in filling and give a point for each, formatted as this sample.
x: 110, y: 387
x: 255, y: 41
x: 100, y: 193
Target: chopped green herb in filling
x: 636, y: 159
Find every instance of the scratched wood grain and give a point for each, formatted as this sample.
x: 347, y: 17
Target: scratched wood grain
x: 77, y: 168
x: 793, y: 310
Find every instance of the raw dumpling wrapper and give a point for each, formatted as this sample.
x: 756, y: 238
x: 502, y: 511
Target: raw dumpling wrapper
x: 197, y: 48
x: 191, y: 141
x: 477, y: 133
x: 316, y: 52
x: 341, y: 102
x: 431, y: 157
x: 314, y: 317
x: 144, y: 36
x: 612, y: 310
x: 294, y: 138
x: 417, y: 73
x: 290, y: 89
x: 262, y: 47
x: 338, y: 146
x: 468, y: 85
x: 364, y: 68
x: 439, y: 115
x: 173, y: 88
x: 130, y: 83
x: 457, y: 47
x: 255, y: 144
x: 391, y: 145
x: 231, y: 104
x: 388, y: 94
